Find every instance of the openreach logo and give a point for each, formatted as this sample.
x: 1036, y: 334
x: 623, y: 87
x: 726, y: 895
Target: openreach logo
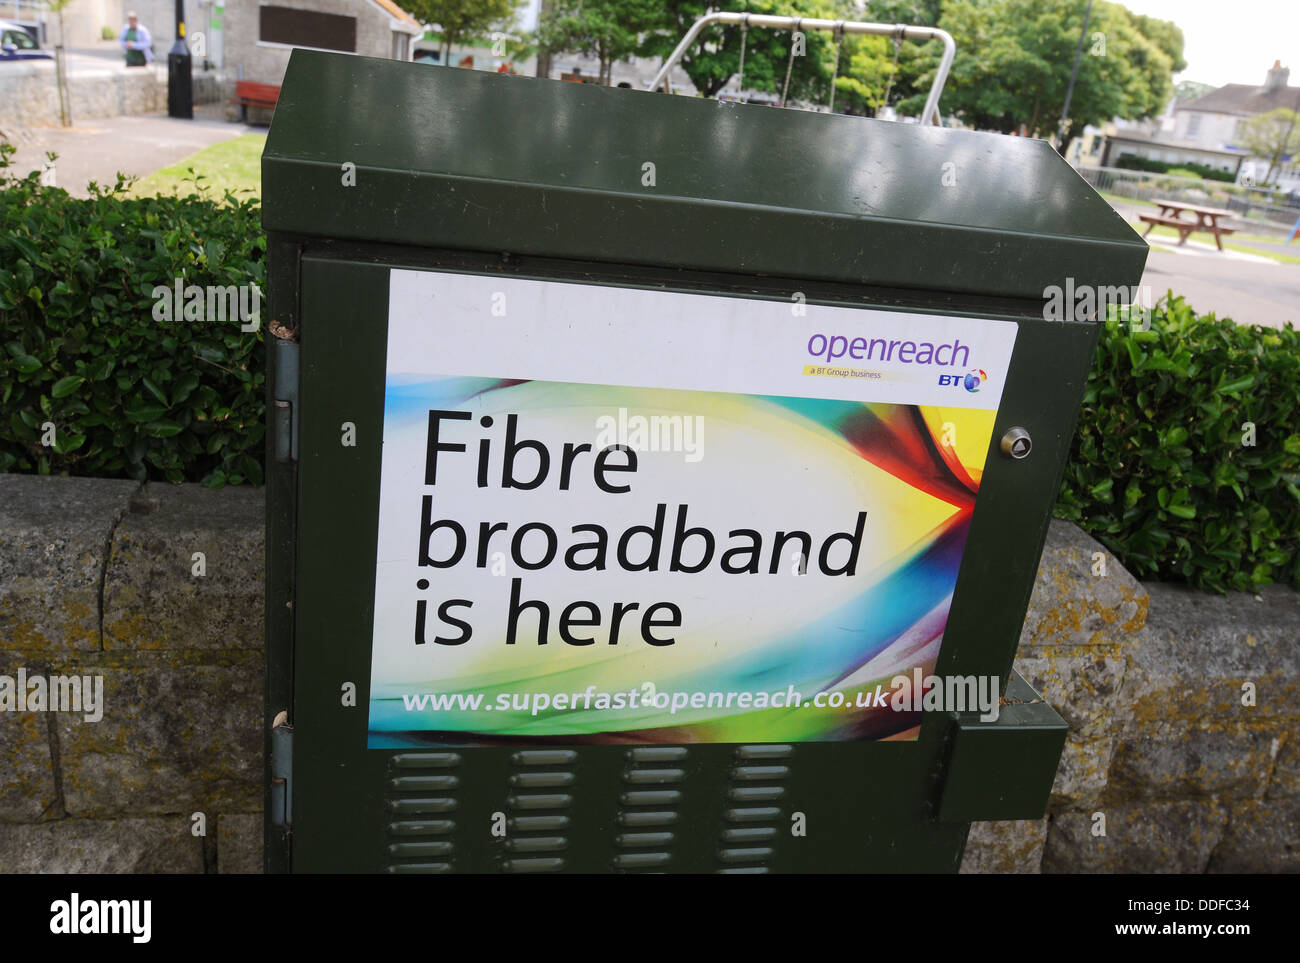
x: 1083, y: 302
x: 77, y: 916
x: 212, y: 303
x: 885, y: 349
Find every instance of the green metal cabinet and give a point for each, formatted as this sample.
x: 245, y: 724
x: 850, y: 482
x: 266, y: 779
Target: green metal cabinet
x: 374, y: 168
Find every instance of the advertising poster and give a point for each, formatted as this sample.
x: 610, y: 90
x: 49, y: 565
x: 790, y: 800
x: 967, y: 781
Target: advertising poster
x: 617, y: 515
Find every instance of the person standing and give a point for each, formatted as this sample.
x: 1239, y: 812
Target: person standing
x: 136, y: 41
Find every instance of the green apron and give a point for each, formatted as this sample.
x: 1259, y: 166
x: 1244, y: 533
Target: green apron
x: 134, y: 58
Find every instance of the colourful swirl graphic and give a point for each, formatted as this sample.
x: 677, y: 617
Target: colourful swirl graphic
x: 766, y: 465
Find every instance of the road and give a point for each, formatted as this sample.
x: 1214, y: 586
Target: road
x: 1249, y: 292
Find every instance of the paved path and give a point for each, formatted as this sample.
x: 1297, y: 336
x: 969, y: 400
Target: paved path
x: 1249, y: 292
x: 97, y: 148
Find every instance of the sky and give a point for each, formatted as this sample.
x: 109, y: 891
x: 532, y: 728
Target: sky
x: 1231, y: 43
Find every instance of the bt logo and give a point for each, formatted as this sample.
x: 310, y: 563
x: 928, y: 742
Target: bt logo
x: 971, y: 381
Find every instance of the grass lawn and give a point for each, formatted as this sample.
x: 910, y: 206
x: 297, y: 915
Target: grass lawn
x: 1231, y: 244
x: 232, y: 165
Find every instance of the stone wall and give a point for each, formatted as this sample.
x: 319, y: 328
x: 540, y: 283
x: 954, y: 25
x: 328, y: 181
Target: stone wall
x: 1163, y: 757
x: 98, y: 578
x: 29, y: 95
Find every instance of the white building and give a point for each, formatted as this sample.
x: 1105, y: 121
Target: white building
x: 1216, y: 122
x: 1206, y: 130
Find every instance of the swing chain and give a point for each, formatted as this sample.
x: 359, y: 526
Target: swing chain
x: 744, y: 36
x: 899, y: 30
x: 790, y: 62
x: 835, y: 71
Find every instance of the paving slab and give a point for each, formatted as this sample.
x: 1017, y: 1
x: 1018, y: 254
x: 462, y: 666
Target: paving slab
x: 98, y: 148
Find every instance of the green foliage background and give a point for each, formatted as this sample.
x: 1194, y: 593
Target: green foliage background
x: 714, y: 59
x: 1159, y: 472
x: 1134, y: 163
x: 129, y: 396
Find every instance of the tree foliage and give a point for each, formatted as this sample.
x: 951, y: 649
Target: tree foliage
x: 714, y: 59
x: 609, y: 30
x: 1014, y: 59
x: 1191, y: 89
x: 1272, y: 136
x: 460, y: 19
x: 866, y: 64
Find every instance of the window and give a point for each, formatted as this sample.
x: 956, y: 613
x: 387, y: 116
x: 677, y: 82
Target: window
x: 20, y: 39
x: 1193, y: 124
x: 307, y: 28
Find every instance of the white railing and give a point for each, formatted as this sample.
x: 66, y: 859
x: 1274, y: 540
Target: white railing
x: 898, y: 31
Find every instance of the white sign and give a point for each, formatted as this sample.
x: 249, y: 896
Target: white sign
x: 616, y: 514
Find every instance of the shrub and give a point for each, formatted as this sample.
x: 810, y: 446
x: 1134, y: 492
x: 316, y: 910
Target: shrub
x: 127, y: 395
x: 1183, y: 168
x: 107, y: 33
x: 1163, y: 471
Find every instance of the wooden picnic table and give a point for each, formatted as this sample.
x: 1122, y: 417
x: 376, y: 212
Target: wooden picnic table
x: 1205, y: 219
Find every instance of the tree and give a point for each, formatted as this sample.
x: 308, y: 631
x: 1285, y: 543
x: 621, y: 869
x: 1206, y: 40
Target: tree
x: 714, y: 58
x: 1274, y: 135
x: 461, y: 19
x: 61, y: 66
x: 609, y: 30
x: 908, y: 78
x: 1014, y: 59
x: 1191, y: 90
x: 866, y: 65
x: 543, y: 52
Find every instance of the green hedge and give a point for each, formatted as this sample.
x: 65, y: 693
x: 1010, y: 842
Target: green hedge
x: 1158, y: 472
x: 1134, y: 163
x: 1161, y: 472
x: 128, y: 395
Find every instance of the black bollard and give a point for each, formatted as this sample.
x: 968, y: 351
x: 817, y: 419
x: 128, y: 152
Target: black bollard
x: 180, y: 91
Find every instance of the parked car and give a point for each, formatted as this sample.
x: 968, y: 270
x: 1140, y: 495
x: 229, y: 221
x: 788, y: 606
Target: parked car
x: 17, y: 44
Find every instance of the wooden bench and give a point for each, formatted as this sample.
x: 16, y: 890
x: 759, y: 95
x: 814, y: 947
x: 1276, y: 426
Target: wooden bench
x: 1184, y: 227
x: 249, y: 94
